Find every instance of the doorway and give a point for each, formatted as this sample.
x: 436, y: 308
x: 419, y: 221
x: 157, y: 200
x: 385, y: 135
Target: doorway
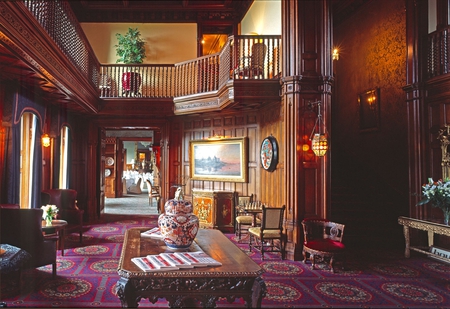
x: 132, y: 157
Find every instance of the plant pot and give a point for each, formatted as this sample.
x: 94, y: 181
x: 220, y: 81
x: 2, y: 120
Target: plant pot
x: 131, y: 82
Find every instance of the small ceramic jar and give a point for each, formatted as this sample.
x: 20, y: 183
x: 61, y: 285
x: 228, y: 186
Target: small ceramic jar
x: 178, y: 225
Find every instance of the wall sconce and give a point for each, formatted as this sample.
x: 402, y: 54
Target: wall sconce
x: 319, y: 142
x: 372, y: 101
x: 335, y: 54
x: 45, y: 140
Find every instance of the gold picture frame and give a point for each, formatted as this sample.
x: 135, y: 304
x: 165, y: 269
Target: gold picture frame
x: 224, y: 159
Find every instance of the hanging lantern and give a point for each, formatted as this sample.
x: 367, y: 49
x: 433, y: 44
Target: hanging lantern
x: 319, y: 144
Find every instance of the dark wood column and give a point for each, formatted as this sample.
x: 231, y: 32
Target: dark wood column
x: 416, y: 34
x: 307, y: 77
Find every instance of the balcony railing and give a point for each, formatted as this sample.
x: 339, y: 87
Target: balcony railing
x: 439, y: 52
x: 242, y: 57
x: 58, y: 20
x: 236, y: 60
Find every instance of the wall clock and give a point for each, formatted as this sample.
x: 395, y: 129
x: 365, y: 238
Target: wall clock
x: 269, y: 153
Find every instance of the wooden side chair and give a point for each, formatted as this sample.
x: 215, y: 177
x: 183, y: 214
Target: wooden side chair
x: 242, y: 219
x: 153, y: 192
x: 269, y: 237
x: 322, y: 241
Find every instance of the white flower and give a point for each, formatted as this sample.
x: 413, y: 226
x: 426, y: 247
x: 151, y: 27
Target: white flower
x: 49, y: 211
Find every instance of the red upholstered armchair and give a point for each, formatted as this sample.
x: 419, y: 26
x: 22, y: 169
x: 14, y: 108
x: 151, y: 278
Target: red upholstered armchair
x: 322, y: 241
x: 22, y: 228
x: 66, y: 201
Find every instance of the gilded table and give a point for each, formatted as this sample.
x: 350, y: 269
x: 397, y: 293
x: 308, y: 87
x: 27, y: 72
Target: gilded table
x: 430, y: 227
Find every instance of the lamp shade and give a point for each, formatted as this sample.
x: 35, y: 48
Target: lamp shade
x: 319, y: 144
x: 45, y: 140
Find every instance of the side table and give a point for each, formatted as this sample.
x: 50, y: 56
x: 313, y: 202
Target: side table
x: 57, y: 227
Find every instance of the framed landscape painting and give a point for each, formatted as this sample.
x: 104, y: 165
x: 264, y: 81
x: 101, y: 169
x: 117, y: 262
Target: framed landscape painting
x: 223, y: 159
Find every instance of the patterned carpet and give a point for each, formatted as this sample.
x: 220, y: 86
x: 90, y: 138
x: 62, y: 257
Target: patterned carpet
x: 87, y: 276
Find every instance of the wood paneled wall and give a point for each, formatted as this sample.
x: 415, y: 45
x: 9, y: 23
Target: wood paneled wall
x: 254, y: 125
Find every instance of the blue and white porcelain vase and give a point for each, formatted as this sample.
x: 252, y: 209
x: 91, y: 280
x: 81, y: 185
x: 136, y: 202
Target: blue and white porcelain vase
x: 178, y: 225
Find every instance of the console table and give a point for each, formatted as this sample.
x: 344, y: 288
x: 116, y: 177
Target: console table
x: 238, y: 277
x: 431, y: 228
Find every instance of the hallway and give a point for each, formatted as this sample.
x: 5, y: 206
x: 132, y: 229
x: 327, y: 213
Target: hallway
x: 131, y: 204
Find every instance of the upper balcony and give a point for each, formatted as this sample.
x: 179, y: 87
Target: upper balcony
x: 244, y: 74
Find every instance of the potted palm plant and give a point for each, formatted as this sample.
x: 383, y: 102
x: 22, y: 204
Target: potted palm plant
x: 131, y: 50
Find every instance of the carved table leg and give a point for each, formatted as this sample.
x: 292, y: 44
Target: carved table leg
x: 407, y: 243
x: 259, y: 290
x: 430, y: 238
x: 126, y: 294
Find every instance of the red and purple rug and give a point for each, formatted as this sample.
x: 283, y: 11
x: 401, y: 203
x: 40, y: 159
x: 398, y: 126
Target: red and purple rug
x: 87, y: 275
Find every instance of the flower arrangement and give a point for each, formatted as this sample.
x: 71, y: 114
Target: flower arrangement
x: 49, y: 213
x: 438, y: 194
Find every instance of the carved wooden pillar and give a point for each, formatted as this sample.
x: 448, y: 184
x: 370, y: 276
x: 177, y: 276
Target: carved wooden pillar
x: 307, y: 78
x: 96, y: 177
x: 416, y: 28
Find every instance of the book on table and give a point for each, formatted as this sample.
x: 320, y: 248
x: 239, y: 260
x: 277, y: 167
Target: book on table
x: 154, y: 233
x: 175, y: 260
x: 144, y: 264
x: 198, y: 259
x: 160, y: 262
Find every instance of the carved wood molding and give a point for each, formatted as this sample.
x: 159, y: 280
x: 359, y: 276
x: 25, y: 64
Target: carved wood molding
x: 204, y: 102
x: 38, y: 51
x: 435, y: 228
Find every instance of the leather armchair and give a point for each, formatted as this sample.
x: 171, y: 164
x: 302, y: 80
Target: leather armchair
x: 66, y: 201
x: 22, y: 228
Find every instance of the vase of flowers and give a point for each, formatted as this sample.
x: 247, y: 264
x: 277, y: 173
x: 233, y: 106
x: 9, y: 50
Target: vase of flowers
x: 438, y: 194
x: 49, y: 213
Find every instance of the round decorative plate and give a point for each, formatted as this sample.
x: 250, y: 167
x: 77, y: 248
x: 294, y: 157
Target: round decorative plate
x: 109, y: 161
x: 107, y: 172
x: 269, y: 153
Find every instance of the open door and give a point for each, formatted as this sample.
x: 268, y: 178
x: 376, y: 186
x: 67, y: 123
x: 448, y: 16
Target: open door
x: 101, y: 173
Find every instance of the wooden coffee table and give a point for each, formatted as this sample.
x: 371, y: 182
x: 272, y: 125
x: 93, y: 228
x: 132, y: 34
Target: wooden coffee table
x: 238, y: 277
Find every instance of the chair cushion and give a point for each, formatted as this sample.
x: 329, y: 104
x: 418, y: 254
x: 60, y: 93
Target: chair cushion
x: 326, y: 245
x: 267, y: 233
x: 244, y: 219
